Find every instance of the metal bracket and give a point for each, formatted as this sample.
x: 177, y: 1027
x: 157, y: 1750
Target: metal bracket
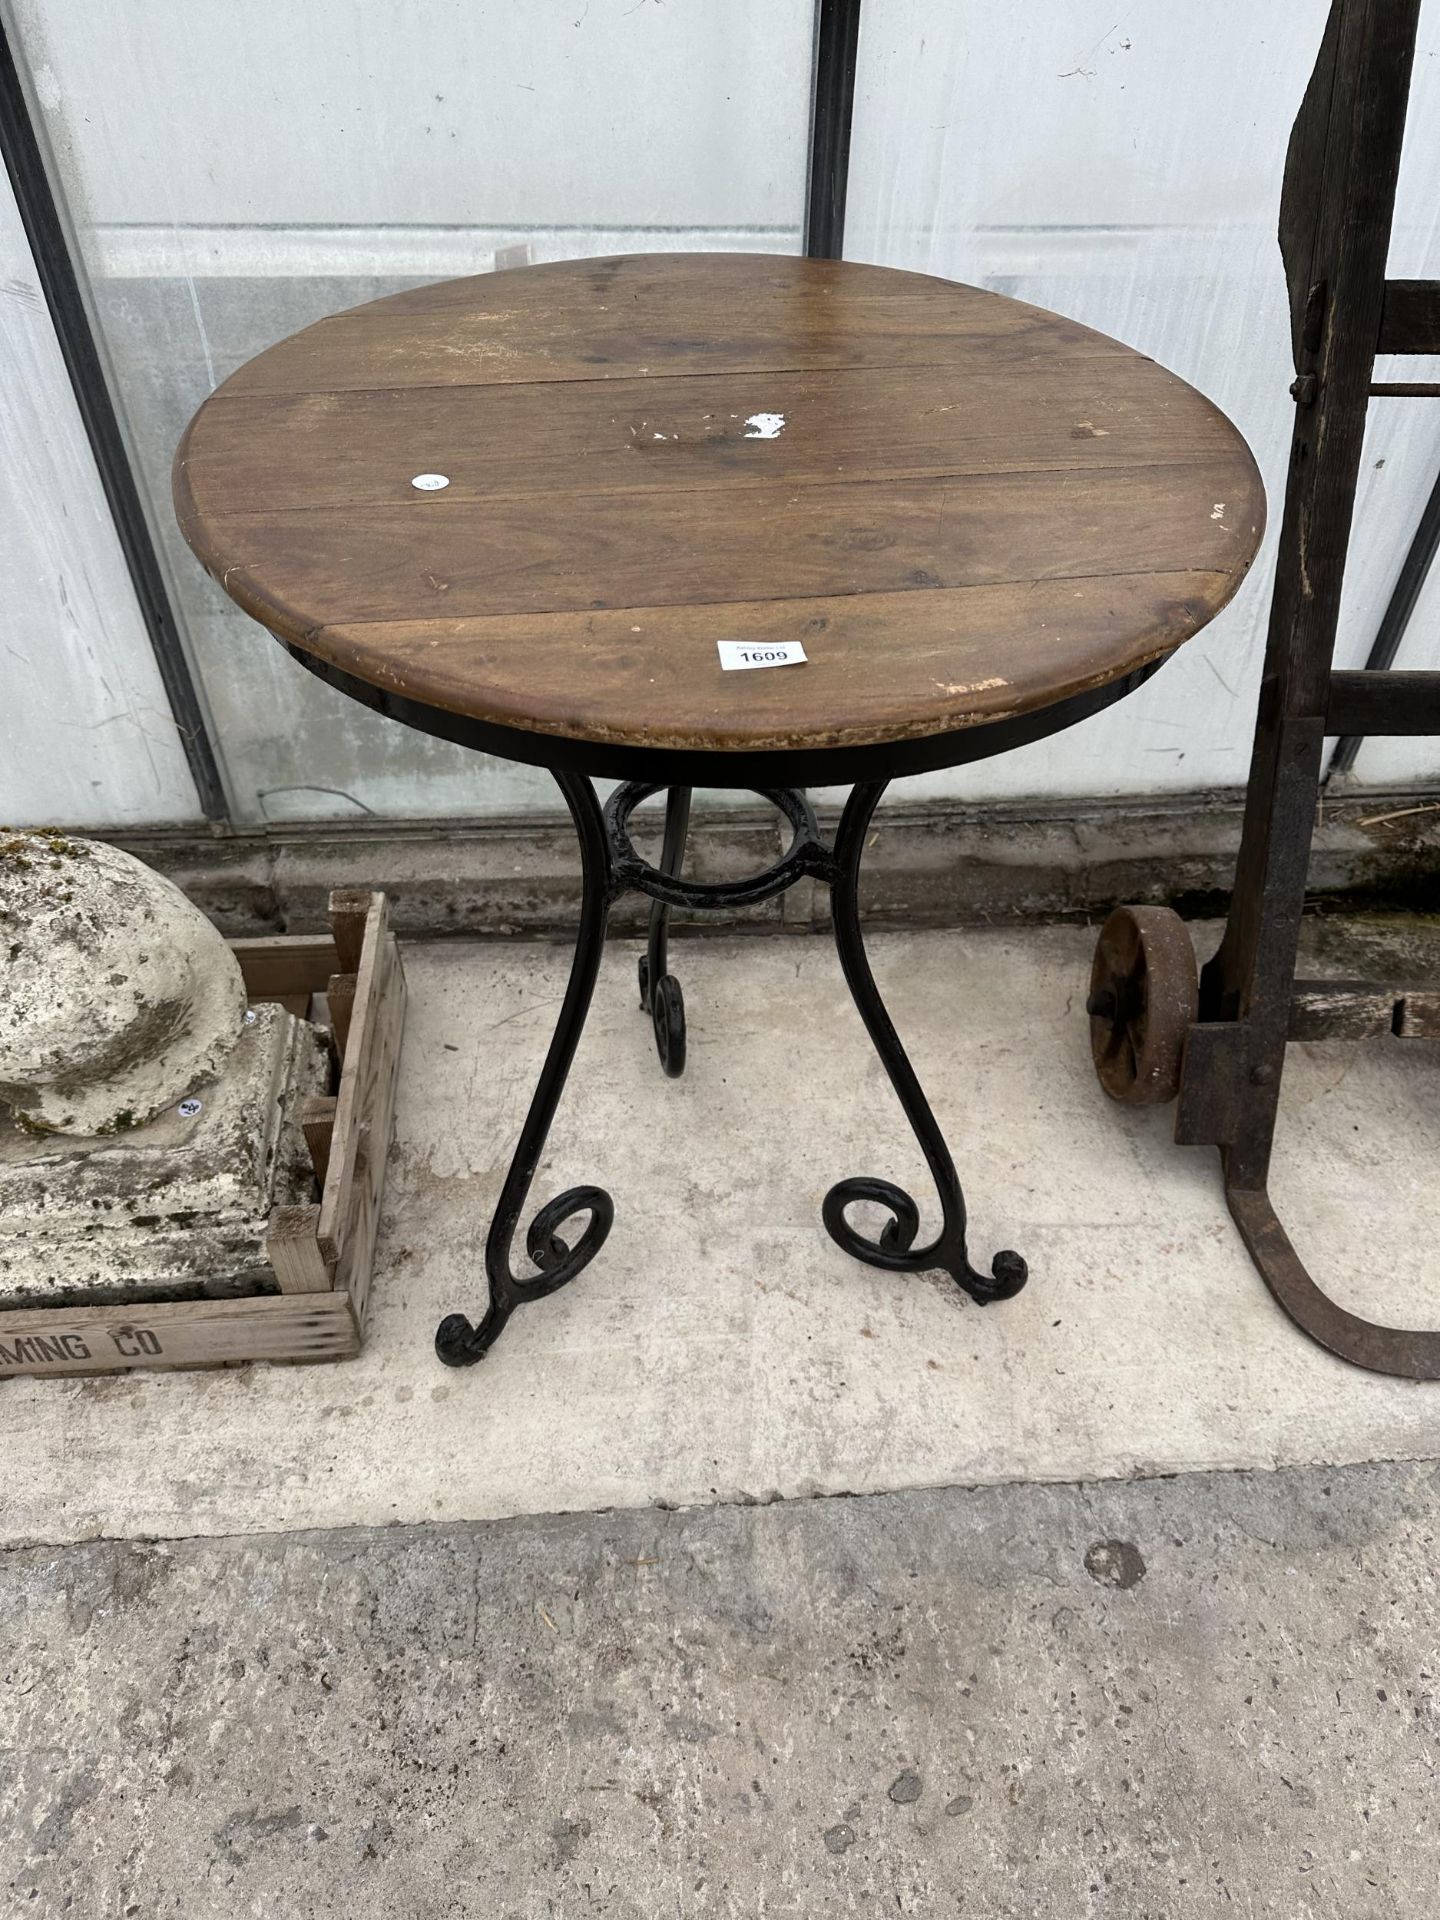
x: 1212, y: 1084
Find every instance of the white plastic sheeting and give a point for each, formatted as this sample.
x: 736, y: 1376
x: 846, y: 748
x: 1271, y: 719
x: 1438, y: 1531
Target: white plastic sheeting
x: 86, y: 737
x: 1120, y: 161
x: 234, y: 172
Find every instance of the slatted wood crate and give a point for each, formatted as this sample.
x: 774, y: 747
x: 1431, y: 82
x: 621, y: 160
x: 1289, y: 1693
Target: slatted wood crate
x: 321, y: 1255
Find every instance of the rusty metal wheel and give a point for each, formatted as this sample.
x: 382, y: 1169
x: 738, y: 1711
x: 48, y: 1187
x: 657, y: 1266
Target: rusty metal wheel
x: 1144, y: 998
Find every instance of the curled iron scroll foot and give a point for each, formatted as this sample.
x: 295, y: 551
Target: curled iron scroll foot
x: 895, y: 1250
x: 665, y: 1004
x: 460, y: 1342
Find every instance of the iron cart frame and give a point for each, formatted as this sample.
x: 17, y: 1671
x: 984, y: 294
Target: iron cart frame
x: 1219, y: 1041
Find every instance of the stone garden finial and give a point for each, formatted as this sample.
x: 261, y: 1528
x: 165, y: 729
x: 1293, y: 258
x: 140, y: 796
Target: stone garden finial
x: 117, y: 995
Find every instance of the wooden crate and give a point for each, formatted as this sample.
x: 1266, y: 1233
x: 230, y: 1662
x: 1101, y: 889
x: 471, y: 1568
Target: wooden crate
x: 321, y: 1255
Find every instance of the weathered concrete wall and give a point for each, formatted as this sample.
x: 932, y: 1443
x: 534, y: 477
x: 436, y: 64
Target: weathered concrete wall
x: 930, y: 864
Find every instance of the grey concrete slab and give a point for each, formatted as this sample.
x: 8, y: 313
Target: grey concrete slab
x: 720, y: 1346
x: 1203, y: 1696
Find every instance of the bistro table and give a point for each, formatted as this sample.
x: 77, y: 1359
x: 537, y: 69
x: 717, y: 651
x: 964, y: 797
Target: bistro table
x: 721, y: 520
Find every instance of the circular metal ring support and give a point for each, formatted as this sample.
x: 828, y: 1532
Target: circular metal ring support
x: 806, y: 853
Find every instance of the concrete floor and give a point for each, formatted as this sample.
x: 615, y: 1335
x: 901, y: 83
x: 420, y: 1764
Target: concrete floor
x: 230, y: 1684
x: 721, y: 1347
x: 1209, y: 1696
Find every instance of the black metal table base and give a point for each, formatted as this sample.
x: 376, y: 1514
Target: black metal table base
x: 611, y: 866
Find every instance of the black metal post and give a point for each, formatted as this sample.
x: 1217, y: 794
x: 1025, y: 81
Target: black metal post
x: 45, y: 230
x: 837, y: 39
x: 1396, y: 618
x: 660, y: 994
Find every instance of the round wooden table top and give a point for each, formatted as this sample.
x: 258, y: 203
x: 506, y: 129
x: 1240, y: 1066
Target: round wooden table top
x: 540, y: 498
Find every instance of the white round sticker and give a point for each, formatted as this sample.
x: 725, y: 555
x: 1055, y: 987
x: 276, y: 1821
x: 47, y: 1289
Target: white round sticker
x: 430, y: 482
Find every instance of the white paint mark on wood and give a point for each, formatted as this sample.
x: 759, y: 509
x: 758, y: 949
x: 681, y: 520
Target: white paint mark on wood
x: 971, y: 686
x: 764, y: 426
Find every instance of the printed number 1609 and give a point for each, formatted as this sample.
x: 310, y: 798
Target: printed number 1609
x: 734, y: 653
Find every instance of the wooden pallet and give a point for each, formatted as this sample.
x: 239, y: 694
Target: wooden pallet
x: 321, y: 1255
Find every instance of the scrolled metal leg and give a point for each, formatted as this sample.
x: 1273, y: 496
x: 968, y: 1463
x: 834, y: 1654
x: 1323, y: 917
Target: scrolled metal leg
x: 458, y: 1341
x: 895, y: 1250
x: 660, y: 994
